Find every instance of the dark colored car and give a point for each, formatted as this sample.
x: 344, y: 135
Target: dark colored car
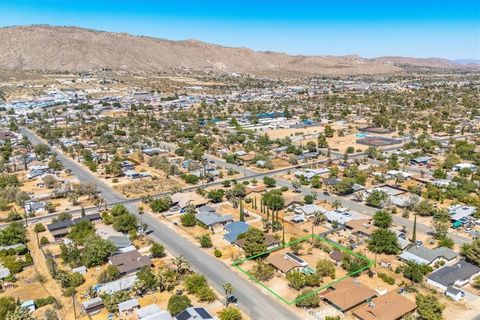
x: 232, y: 299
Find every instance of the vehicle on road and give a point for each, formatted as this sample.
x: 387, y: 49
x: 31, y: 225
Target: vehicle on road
x: 231, y: 299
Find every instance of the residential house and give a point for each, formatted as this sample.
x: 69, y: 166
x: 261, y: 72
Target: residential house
x: 82, y: 270
x: 306, y: 175
x: 152, y: 312
x: 270, y: 241
x: 246, y: 157
x: 309, y: 209
x: 255, y: 189
x: 153, y: 151
x: 336, y: 256
x: 133, y: 175
x: 361, y: 227
x: 193, y: 313
x: 456, y: 275
x: 92, y: 306
x: 59, y: 229
x: 29, y: 305
x: 127, y: 165
x: 130, y: 262
x: 459, y: 214
x: 261, y: 163
x: 128, y: 306
x: 36, y: 171
x: 319, y: 172
x: 461, y: 166
x: 34, y: 206
x: 443, y: 183
x: 307, y: 156
x: 421, y: 160
x: 394, y: 173
x: 122, y: 243
x: 125, y: 283
x: 391, y: 306
x: 4, y: 272
x: 340, y: 216
x: 285, y: 262
x: 454, y: 293
x: 234, y: 229
x: 348, y: 294
x: 183, y: 199
x: 424, y: 255
x: 210, y: 218
x: 89, y: 217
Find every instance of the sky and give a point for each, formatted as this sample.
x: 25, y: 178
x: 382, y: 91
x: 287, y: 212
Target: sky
x: 370, y: 28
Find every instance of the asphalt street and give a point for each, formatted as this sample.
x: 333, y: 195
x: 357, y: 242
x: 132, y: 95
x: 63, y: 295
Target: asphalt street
x: 251, y: 299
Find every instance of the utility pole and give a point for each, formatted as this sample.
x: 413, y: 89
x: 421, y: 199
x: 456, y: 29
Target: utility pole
x: 414, y: 233
x: 74, y: 309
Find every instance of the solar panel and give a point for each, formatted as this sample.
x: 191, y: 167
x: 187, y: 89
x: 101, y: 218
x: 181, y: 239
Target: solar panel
x: 203, y: 313
x: 183, y: 315
x: 294, y: 257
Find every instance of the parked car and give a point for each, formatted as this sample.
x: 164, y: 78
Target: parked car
x: 231, y: 299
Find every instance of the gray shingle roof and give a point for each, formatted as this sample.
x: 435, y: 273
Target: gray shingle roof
x: 448, y: 275
x: 427, y: 255
x: 208, y: 216
x: 120, y: 241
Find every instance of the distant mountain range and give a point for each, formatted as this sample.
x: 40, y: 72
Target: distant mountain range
x: 467, y: 61
x: 74, y: 49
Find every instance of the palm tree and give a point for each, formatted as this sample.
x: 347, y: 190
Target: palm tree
x: 336, y: 204
x: 228, y: 287
x: 140, y: 213
x: 318, y: 218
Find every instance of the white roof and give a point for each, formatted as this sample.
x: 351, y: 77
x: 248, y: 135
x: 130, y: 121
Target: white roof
x: 128, y: 305
x: 152, y: 312
x: 413, y: 257
x: 81, y: 270
x: 4, y: 272
x: 309, y: 209
x: 464, y: 165
x: 162, y: 315
x: 340, y: 216
x: 402, y: 173
x: 318, y: 171
x: 458, y: 212
x: 120, y: 284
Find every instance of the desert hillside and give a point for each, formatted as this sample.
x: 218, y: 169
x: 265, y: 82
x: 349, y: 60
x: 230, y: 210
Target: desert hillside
x: 76, y: 49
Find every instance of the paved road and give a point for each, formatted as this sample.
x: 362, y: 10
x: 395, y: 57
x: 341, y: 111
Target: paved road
x: 113, y: 198
x: 353, y: 205
x: 251, y: 299
x: 81, y: 173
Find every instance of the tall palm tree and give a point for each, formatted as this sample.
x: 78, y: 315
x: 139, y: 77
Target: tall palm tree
x: 228, y: 288
x: 318, y: 218
x: 140, y: 213
x: 336, y: 204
